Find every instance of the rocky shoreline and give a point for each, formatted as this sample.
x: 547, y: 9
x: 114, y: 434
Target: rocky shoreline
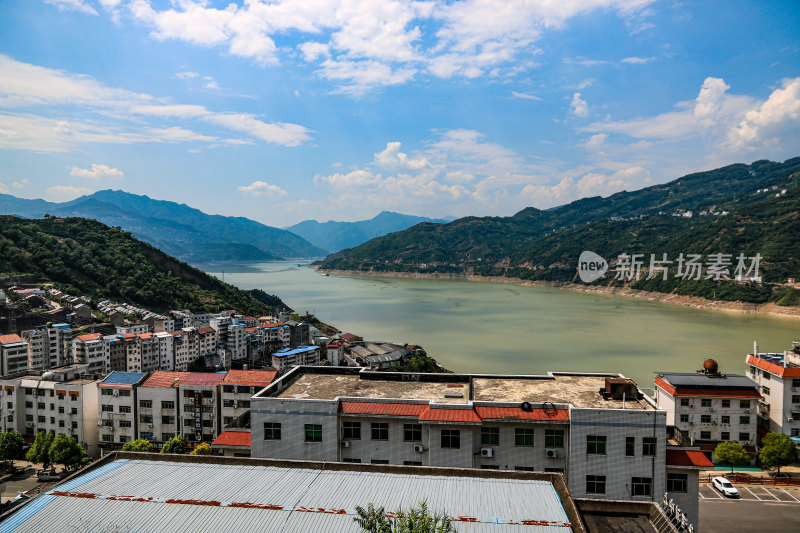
x: 768, y: 309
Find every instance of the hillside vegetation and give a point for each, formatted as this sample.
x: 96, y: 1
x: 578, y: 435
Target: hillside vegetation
x: 85, y: 257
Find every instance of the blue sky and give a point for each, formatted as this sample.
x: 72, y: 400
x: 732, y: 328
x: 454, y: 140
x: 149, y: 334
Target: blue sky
x: 285, y: 110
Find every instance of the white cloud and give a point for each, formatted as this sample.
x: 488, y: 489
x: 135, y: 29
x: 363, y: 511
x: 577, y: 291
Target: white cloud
x: 96, y: 172
x: 392, y: 157
x: 579, y: 107
x: 525, y: 96
x: 4, y: 188
x: 186, y: 75
x: 597, y: 184
x: 61, y: 192
x: 21, y: 184
x: 73, y: 5
x: 637, y: 60
x: 773, y: 120
x: 260, y: 188
x: 24, y: 85
x: 596, y: 141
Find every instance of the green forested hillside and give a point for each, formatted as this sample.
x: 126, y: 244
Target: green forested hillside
x: 85, y: 257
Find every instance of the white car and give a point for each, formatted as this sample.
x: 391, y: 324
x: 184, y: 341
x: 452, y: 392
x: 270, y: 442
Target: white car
x: 725, y: 487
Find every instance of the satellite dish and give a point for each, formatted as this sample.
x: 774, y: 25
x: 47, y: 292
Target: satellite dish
x: 526, y: 407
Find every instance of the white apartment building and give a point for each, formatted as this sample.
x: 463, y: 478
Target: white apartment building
x: 48, y: 346
x: 58, y: 401
x: 166, y: 351
x: 186, y: 347
x: 200, y: 407
x: 237, y: 388
x: 92, y: 350
x: 158, y: 414
x: 13, y: 354
x: 116, y: 417
x: 605, y: 434
x: 135, y: 329
x: 290, y: 357
x: 708, y: 408
x: 777, y: 376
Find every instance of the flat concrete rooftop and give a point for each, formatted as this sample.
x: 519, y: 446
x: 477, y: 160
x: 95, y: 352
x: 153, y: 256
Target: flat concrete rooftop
x: 579, y: 390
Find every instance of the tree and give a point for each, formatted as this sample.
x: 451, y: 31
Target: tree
x: 731, y: 453
x: 415, y: 520
x: 174, y: 445
x: 65, y: 451
x: 203, y: 448
x: 40, y: 451
x: 11, y: 444
x: 777, y: 449
x: 140, y: 445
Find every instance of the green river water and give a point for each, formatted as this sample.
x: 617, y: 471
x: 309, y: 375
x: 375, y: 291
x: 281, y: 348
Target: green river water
x: 498, y: 328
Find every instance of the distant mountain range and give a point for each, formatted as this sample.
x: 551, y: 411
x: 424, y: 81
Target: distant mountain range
x: 177, y: 229
x: 545, y: 245
x: 333, y: 236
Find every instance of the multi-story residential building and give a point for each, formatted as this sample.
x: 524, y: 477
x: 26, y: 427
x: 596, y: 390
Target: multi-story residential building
x: 136, y: 329
x: 186, y: 347
x: 117, y: 404
x: 13, y: 354
x: 117, y: 353
x: 166, y: 350
x: 159, y: 402
x: 335, y: 351
x: 777, y: 376
x: 604, y: 433
x: 708, y: 407
x: 200, y: 407
x: 237, y: 388
x: 48, y: 346
x: 207, y: 341
x: 58, y: 401
x: 92, y: 350
x: 289, y: 357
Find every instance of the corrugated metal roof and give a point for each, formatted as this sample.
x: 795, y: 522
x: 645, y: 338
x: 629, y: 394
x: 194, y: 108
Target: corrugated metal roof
x: 688, y: 379
x: 189, y: 497
x: 123, y: 378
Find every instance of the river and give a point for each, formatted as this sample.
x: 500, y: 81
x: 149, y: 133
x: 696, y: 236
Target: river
x: 497, y: 328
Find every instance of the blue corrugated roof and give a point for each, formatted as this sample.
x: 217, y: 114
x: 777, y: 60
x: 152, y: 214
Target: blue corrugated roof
x: 290, y: 351
x: 123, y: 378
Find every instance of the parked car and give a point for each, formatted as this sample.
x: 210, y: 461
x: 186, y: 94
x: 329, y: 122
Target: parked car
x: 48, y: 475
x: 725, y: 487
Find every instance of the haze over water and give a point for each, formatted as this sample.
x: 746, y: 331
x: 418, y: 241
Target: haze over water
x: 497, y: 328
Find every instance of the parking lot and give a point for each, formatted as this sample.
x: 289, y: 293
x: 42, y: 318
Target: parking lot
x: 765, y: 493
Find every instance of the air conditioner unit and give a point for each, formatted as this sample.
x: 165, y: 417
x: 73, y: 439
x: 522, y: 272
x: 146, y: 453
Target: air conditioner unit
x: 551, y: 453
x: 345, y: 444
x: 710, y: 409
x: 795, y: 389
x: 745, y: 443
x: 418, y: 448
x: 747, y: 411
x: 116, y: 392
x: 99, y: 423
x: 692, y: 406
x: 149, y: 425
x: 487, y: 452
x: 790, y: 419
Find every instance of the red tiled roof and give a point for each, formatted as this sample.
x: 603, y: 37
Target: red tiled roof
x: 146, y: 336
x: 349, y: 336
x: 202, y: 378
x: 450, y: 415
x: 716, y: 392
x: 129, y: 336
x: 560, y: 415
x: 10, y: 338
x: 688, y: 458
x: 89, y: 337
x: 232, y: 438
x: 203, y: 331
x: 390, y: 409
x: 164, y: 379
x: 772, y: 368
x: 250, y: 377
x: 335, y: 344
x: 250, y: 330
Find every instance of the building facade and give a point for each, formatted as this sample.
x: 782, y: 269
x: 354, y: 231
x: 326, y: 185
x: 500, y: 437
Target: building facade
x: 117, y: 403
x: 777, y: 376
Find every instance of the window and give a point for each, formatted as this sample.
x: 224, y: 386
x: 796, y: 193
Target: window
x: 227, y: 403
x: 523, y: 468
x: 166, y: 436
x: 351, y: 430
x: 490, y: 467
x: 74, y: 425
x: 596, y: 444
x: 124, y: 408
x: 107, y: 408
x: 795, y: 432
x: 244, y: 404
x: 29, y: 405
x: 649, y: 446
x: 61, y: 423
x: 350, y: 460
x: 146, y: 419
x: 124, y: 423
x: 208, y: 424
x: 554, y: 438
x: 60, y: 396
x: 744, y: 419
x: 451, y: 438
x: 641, y: 486
x: 169, y: 420
x: 379, y: 462
x: 725, y: 435
x: 227, y: 420
x: 684, y: 402
x: 126, y: 393
x: 558, y: 470
x: 146, y: 435
x: 684, y: 418
x: 168, y: 405
x: 744, y: 437
x: 380, y: 431
x: 108, y: 423
x: 490, y: 436
x: 705, y: 402
x: 147, y: 404
x: 765, y: 390
x: 725, y: 404
x: 241, y: 389
x: 523, y: 436
x: 705, y: 435
x: 412, y: 432
x: 725, y: 419
x: 107, y: 392
x: 412, y: 463
x: 705, y: 419
x: 74, y: 410
x: 108, y: 438
x: 41, y: 419
x: 630, y: 446
x: 744, y: 404
x: 795, y: 398
x: 40, y: 405
x: 795, y: 382
x: 123, y: 439
x: 61, y: 409
x: 227, y: 388
x: 272, y: 431
x: 595, y: 484
x: 73, y: 397
x: 313, y: 432
x: 29, y: 418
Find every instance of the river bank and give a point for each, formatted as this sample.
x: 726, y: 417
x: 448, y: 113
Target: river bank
x: 696, y: 302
